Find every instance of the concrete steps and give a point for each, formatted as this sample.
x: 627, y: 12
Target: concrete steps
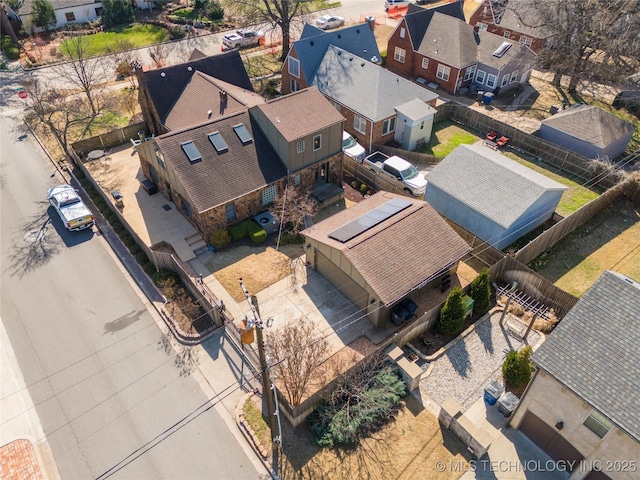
x: 196, y: 243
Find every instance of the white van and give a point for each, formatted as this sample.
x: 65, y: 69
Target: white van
x: 395, y: 4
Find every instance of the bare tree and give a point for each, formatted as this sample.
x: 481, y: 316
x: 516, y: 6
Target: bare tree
x: 591, y: 39
x: 159, y: 54
x: 85, y: 73
x: 280, y: 14
x: 296, y: 355
x: 292, y: 206
x: 125, y: 61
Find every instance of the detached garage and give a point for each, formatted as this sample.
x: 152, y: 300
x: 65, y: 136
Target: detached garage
x: 589, y: 131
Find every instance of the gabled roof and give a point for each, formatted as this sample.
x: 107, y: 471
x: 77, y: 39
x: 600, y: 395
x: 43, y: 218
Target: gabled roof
x: 364, y: 87
x: 301, y: 113
x: 594, y: 350
x: 521, y: 16
x: 392, y: 267
x: 220, y: 178
x: 27, y: 6
x: 590, y: 124
x: 450, y: 41
x: 202, y: 94
x: 418, y: 19
x: 516, y: 54
x: 415, y: 109
x: 166, y: 84
x: 358, y: 40
x: 490, y: 183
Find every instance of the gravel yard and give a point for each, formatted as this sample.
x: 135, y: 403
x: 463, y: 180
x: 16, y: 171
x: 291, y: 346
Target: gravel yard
x: 464, y: 369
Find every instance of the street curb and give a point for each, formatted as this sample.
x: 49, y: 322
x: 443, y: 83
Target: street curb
x: 249, y: 436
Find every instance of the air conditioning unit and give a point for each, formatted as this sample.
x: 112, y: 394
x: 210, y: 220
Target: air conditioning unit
x: 267, y: 221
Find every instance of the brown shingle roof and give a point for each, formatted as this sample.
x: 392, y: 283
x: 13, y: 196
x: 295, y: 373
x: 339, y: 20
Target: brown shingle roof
x: 400, y: 253
x: 312, y: 113
x: 201, y: 94
x: 220, y: 178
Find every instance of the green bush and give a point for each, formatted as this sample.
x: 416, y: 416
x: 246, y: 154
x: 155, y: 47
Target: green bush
x: 10, y: 49
x: 134, y: 249
x: 288, y: 238
x: 219, y: 238
x: 141, y: 258
x: 258, y: 237
x: 481, y: 293
x: 214, y: 11
x: 128, y: 240
x: 452, y: 313
x: 363, y: 188
x: 516, y: 369
x: 161, y: 275
x: 149, y: 268
x: 238, y: 232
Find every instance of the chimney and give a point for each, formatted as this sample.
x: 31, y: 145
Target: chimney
x: 223, y: 101
x: 371, y: 20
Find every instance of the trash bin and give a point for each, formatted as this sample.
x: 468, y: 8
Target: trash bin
x: 487, y: 98
x: 507, y: 403
x: 479, y: 96
x: 492, y: 392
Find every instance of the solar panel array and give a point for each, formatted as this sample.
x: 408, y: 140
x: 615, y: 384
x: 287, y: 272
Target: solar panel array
x: 369, y: 220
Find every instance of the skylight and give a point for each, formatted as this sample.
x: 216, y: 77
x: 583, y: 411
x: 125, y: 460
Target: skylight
x: 191, y: 150
x: 218, y: 142
x: 502, y: 49
x: 243, y: 134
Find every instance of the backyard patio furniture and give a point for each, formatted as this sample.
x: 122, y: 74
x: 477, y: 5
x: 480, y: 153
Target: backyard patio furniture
x: 502, y: 141
x: 491, y: 136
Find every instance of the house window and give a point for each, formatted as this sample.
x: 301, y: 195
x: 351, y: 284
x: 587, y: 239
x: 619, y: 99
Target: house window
x: 598, y: 423
x: 359, y: 124
x: 507, y: 34
x: 505, y: 80
x: 398, y: 54
x: 402, y: 32
x: 480, y: 76
x: 469, y: 73
x: 525, y: 41
x: 389, y: 126
x: 70, y: 16
x: 425, y: 63
x: 443, y: 72
x: 296, y: 179
x: 491, y: 80
x: 482, y: 27
x: 294, y: 86
x: 514, y: 77
x: 294, y: 67
x: 187, y: 208
x: 300, y: 146
x: 317, y: 142
x: 268, y: 195
x: 160, y: 158
x: 230, y: 211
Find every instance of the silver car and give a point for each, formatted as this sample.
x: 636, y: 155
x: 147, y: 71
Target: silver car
x: 326, y: 22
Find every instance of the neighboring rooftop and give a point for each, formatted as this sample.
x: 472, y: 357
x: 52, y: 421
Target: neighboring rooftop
x: 393, y: 268
x: 312, y: 113
x: 594, y: 350
x: 494, y: 185
x: 450, y: 40
x: 418, y: 19
x: 365, y: 87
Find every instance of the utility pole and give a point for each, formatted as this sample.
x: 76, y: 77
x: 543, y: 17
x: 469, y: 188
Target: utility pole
x: 268, y: 387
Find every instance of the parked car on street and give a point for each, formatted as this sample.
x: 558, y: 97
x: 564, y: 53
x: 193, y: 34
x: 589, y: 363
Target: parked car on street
x: 326, y: 22
x: 244, y: 37
x: 74, y: 213
x: 352, y: 148
x: 390, y: 5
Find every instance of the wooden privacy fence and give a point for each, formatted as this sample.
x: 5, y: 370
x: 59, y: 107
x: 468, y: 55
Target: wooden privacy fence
x: 630, y: 187
x: 110, y: 139
x: 364, y: 175
x: 416, y: 158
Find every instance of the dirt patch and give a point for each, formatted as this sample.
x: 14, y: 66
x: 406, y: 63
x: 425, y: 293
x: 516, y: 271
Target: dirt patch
x: 608, y: 241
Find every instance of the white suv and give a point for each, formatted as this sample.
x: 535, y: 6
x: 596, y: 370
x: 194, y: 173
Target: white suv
x: 352, y: 148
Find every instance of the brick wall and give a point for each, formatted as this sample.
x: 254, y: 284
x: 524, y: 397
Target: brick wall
x: 408, y: 66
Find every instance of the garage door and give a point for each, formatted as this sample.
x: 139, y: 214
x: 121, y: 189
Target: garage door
x: 549, y: 440
x: 342, y: 281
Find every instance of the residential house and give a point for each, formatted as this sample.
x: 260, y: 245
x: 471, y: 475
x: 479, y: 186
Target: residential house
x: 379, y: 106
x: 588, y: 130
x: 515, y: 20
x: 160, y: 89
x: 382, y: 250
x: 305, y: 55
x: 67, y: 11
x: 229, y: 167
x: 490, y: 195
x: 582, y: 403
x: 439, y: 48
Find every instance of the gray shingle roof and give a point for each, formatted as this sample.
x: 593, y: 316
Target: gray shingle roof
x: 27, y: 6
x: 365, y: 87
x: 418, y: 19
x: 490, y: 183
x: 591, y: 124
x: 358, y: 40
x: 521, y: 16
x: 594, y: 350
x: 300, y: 113
x: 220, y: 178
x: 398, y: 254
x: 517, y: 56
x: 449, y: 40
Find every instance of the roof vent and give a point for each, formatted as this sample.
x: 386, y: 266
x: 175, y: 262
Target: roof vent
x: 312, y: 43
x: 362, y: 64
x: 339, y: 53
x: 339, y: 36
x: 502, y: 49
x: 189, y: 68
x: 163, y: 74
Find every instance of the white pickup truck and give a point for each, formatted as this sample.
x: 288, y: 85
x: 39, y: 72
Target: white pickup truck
x: 74, y: 213
x: 397, y: 171
x: 242, y: 38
